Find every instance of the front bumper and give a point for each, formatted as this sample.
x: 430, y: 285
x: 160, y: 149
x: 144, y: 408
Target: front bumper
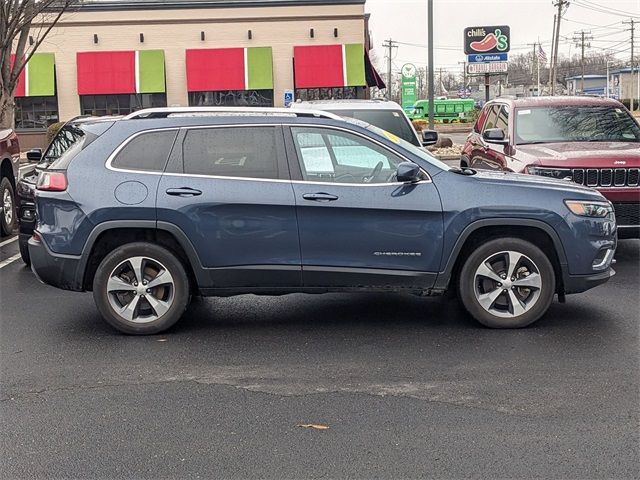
x: 61, y: 271
x: 582, y: 283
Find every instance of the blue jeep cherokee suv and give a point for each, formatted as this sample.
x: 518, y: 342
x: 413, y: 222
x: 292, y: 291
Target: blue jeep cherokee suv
x: 151, y: 209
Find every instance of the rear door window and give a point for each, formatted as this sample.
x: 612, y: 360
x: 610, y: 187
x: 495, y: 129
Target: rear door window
x: 147, y: 152
x: 246, y: 152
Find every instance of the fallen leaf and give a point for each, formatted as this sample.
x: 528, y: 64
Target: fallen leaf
x: 315, y: 426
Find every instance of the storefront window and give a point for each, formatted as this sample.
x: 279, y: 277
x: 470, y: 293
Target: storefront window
x: 337, y: 93
x: 232, y: 98
x: 120, y: 104
x: 36, y: 113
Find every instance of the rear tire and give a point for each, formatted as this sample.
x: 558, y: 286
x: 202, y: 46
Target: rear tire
x: 24, y: 251
x: 507, y: 283
x: 8, y: 203
x: 141, y: 289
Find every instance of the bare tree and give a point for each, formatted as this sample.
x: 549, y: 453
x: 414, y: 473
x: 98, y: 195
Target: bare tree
x: 24, y: 24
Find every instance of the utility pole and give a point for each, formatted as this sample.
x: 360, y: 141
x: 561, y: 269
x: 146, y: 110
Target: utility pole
x: 580, y: 42
x: 632, y: 29
x: 430, y: 59
x: 440, y: 81
x: 556, y: 39
x: 464, y: 77
x: 390, y: 45
x: 553, y: 37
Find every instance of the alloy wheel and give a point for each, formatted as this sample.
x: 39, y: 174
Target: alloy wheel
x: 7, y: 206
x: 507, y: 284
x: 140, y: 289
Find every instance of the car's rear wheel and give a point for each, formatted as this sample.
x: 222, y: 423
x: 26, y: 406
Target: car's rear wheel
x: 141, y: 288
x: 8, y: 217
x: 507, y: 283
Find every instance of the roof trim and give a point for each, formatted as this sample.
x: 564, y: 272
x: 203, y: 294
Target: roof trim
x: 113, y: 5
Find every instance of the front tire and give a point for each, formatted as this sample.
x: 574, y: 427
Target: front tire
x: 141, y: 289
x: 507, y: 283
x: 8, y: 217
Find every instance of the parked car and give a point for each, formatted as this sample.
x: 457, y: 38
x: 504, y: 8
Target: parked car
x: 9, y: 170
x: 590, y: 141
x: 383, y: 114
x: 169, y: 203
x: 25, y: 188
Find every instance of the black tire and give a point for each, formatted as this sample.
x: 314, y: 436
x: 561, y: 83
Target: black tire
x: 7, y: 227
x: 464, y: 162
x: 468, y: 288
x: 24, y: 251
x: 180, y: 296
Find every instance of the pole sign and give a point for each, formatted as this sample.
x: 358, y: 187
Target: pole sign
x: 486, y: 57
x: 409, y: 91
x: 490, y: 67
x: 480, y: 40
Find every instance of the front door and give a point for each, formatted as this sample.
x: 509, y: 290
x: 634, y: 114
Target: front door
x: 228, y: 189
x: 358, y: 226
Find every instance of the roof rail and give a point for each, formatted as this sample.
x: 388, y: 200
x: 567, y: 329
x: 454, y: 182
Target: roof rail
x: 164, y: 112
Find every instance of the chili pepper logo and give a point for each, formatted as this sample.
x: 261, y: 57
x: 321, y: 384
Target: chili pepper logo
x: 491, y: 41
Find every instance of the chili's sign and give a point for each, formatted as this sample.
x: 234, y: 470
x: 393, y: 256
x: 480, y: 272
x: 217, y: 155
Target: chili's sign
x: 495, y: 39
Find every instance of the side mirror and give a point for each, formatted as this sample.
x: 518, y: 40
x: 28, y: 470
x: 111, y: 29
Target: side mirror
x: 34, y: 155
x: 495, y: 135
x: 429, y: 137
x: 408, y: 172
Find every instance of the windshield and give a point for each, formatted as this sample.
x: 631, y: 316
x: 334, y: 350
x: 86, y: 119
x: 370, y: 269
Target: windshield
x: 575, y: 124
x: 408, y: 146
x: 389, y: 120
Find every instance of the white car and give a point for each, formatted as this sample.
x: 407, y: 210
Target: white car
x: 383, y: 114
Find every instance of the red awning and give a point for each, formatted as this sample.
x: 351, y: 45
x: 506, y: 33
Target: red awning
x: 106, y: 73
x: 318, y: 66
x: 219, y: 69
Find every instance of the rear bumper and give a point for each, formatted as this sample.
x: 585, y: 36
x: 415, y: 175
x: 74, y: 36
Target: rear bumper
x: 582, y: 283
x: 61, y: 271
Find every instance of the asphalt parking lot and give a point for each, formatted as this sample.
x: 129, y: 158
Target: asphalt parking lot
x: 408, y: 386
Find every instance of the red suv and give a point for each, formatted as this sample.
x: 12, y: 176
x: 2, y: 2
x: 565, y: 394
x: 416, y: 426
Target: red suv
x: 590, y: 141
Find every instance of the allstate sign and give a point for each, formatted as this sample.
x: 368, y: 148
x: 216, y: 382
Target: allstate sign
x: 481, y: 58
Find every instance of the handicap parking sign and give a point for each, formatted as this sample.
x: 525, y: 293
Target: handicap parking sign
x: 288, y: 98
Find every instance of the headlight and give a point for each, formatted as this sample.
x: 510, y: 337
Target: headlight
x: 561, y: 173
x: 589, y: 208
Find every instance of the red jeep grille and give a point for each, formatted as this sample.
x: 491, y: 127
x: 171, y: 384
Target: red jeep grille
x: 606, y: 177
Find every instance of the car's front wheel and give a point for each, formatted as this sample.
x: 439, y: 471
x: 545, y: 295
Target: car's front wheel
x: 23, y: 245
x: 141, y: 288
x: 507, y: 283
x: 8, y: 218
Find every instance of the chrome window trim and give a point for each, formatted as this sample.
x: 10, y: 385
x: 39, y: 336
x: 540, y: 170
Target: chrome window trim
x: 112, y: 156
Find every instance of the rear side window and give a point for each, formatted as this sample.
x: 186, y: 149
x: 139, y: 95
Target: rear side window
x: 147, y: 152
x: 248, y: 152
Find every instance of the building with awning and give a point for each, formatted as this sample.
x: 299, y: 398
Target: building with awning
x: 113, y: 57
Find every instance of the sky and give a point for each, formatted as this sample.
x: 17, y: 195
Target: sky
x: 530, y: 21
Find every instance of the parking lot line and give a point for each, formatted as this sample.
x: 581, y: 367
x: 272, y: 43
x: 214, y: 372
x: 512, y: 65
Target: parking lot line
x: 9, y: 260
x: 6, y: 242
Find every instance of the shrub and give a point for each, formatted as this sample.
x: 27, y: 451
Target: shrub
x: 53, y: 129
x: 420, y: 125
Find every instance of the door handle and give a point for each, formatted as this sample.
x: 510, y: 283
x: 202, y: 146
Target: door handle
x: 319, y: 197
x: 184, y: 192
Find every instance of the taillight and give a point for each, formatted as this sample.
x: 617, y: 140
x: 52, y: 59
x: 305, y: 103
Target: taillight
x: 36, y: 236
x: 52, y: 181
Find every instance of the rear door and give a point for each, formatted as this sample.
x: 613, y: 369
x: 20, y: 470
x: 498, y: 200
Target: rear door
x: 358, y: 226
x: 228, y: 189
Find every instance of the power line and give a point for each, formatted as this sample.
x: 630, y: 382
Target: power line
x: 598, y: 8
x: 608, y: 8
